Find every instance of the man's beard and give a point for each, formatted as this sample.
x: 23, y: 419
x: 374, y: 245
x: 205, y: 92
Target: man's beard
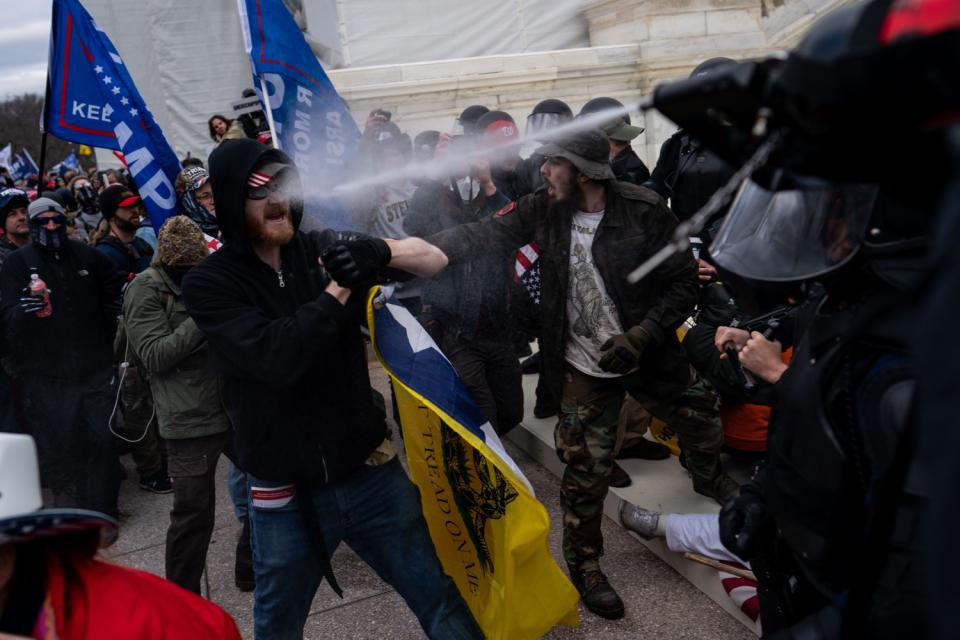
x: 571, y: 191
x: 259, y: 230
x: 126, y: 225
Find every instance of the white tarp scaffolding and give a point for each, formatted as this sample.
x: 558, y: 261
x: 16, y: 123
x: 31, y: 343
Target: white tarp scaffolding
x: 188, y: 61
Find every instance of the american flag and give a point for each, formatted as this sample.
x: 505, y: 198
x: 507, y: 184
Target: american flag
x: 527, y: 270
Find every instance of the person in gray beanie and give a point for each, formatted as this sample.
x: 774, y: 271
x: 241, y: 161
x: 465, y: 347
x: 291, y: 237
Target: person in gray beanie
x: 66, y: 376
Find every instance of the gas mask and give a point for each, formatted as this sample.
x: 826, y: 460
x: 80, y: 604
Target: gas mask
x: 86, y: 199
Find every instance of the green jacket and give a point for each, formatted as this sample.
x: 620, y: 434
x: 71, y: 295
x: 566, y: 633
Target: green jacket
x: 173, y: 353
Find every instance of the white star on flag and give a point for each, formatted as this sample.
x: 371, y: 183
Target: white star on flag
x: 133, y: 112
x: 98, y: 69
x: 116, y: 90
x: 124, y: 101
x: 107, y: 79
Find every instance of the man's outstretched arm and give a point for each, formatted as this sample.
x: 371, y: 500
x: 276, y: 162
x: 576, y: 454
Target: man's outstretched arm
x: 416, y: 256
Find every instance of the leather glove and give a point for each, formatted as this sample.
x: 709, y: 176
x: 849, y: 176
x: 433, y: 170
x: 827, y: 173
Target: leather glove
x: 356, y: 263
x: 621, y: 353
x: 742, y: 522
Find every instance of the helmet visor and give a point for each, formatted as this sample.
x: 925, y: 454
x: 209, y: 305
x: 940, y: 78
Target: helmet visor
x: 795, y: 235
x: 538, y: 123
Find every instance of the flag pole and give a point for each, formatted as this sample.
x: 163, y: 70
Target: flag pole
x: 269, y: 113
x: 43, y: 134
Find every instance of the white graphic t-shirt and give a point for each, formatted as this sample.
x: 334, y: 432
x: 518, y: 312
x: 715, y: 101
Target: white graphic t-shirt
x: 590, y: 311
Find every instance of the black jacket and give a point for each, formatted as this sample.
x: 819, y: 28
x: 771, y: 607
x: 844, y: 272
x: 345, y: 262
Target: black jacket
x: 474, y: 298
x: 628, y: 167
x: 636, y: 225
x: 292, y: 360
x: 688, y: 174
x: 76, y: 340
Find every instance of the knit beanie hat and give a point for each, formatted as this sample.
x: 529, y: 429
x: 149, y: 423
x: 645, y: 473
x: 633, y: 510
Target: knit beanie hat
x: 180, y: 243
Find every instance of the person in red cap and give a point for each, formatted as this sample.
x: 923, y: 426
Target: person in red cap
x: 53, y: 584
x: 122, y: 209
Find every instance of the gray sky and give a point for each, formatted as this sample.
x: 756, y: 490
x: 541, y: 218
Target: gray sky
x: 24, y: 42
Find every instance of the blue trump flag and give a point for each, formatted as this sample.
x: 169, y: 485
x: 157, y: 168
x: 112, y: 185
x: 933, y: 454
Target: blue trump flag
x: 23, y: 165
x: 313, y: 125
x: 93, y: 101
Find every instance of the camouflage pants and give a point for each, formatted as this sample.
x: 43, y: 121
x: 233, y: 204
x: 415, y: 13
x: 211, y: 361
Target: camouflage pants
x: 586, y: 437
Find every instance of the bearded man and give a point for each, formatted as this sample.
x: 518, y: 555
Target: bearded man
x: 601, y: 337
x: 320, y: 466
x: 122, y: 209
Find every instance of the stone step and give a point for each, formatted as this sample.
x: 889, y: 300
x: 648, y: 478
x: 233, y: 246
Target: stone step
x: 661, y: 485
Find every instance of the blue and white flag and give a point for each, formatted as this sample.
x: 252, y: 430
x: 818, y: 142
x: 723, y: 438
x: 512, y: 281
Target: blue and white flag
x: 71, y: 162
x: 93, y: 101
x: 23, y: 166
x: 313, y: 125
x: 6, y: 156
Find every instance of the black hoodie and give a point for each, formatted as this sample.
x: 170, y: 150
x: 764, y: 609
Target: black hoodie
x: 292, y: 360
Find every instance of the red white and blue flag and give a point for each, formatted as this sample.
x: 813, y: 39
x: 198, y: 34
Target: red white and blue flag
x: 527, y: 270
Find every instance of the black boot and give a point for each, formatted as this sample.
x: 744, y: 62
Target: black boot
x: 619, y: 478
x: 597, y: 594
x: 243, y: 565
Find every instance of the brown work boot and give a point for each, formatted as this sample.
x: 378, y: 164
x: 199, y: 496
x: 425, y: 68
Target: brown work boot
x: 597, y: 594
x: 722, y: 488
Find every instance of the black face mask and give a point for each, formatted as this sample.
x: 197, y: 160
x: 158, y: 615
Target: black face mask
x: 51, y: 240
x: 176, y: 272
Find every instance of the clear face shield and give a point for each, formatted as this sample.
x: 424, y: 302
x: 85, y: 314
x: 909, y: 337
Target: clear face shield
x: 793, y: 235
x: 539, y: 124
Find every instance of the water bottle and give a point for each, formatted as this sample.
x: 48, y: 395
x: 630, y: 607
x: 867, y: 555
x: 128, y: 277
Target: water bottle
x: 39, y: 289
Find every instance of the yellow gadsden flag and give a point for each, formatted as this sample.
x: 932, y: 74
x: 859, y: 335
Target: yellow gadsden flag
x: 489, y: 529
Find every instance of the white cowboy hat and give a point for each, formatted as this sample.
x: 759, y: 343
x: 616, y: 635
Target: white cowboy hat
x: 22, y: 516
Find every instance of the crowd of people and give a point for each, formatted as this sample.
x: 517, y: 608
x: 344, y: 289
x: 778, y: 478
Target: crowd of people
x: 235, y: 331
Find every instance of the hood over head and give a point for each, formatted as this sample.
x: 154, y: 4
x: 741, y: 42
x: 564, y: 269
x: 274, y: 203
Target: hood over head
x: 231, y: 164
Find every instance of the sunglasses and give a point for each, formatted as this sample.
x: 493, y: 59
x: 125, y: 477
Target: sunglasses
x: 57, y: 219
x: 275, y: 186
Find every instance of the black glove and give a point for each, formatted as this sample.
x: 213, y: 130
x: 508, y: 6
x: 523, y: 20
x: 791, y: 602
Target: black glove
x: 356, y: 263
x: 621, y: 353
x: 30, y: 305
x: 742, y: 523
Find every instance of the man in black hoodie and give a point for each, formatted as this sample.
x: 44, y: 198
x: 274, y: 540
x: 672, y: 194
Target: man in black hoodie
x: 320, y: 465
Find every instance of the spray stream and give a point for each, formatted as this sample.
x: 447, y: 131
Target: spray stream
x: 447, y: 163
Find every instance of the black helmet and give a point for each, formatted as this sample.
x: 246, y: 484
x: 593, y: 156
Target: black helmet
x: 548, y: 114
x: 467, y: 120
x: 617, y: 126
x: 707, y: 67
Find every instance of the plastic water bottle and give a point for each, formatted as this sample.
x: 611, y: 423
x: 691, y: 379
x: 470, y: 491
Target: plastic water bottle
x: 39, y: 289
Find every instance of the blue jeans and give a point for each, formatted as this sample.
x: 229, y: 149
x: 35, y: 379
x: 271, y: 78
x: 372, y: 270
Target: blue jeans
x: 237, y: 487
x: 376, y: 511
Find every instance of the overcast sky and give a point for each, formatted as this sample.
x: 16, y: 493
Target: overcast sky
x: 24, y: 42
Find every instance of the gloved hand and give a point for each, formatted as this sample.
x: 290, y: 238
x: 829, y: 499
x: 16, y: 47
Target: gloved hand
x: 355, y: 263
x: 30, y: 305
x: 742, y: 521
x: 621, y: 353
